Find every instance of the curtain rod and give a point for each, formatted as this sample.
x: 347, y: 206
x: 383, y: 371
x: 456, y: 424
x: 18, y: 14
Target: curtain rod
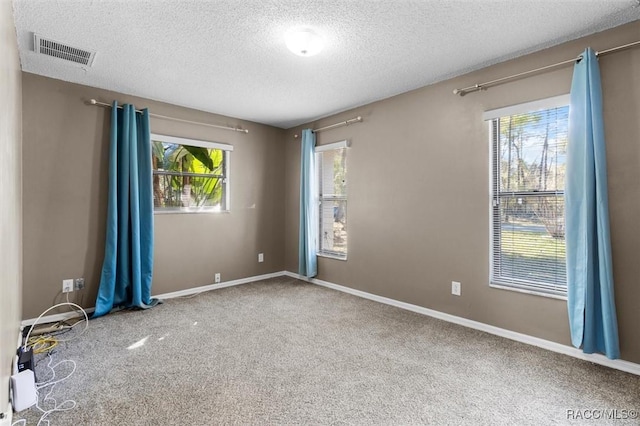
x: 342, y: 123
x: 484, y: 86
x: 235, y: 129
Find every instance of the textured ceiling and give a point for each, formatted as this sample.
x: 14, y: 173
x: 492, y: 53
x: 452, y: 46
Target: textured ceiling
x: 229, y: 57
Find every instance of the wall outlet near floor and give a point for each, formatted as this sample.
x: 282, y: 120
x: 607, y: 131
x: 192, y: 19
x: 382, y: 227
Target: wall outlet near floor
x: 78, y: 284
x: 260, y: 257
x: 67, y: 286
x: 217, y: 278
x: 455, y: 288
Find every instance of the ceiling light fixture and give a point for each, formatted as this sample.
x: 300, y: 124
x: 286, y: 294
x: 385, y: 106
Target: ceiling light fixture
x: 304, y: 42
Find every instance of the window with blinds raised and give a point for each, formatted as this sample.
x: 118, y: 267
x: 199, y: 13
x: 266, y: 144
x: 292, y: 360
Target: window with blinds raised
x: 331, y: 168
x: 189, y: 176
x: 528, y: 170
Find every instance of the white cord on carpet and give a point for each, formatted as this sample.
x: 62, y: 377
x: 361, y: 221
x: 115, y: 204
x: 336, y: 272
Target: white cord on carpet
x: 71, y: 404
x: 67, y: 405
x: 86, y: 318
x: 52, y: 381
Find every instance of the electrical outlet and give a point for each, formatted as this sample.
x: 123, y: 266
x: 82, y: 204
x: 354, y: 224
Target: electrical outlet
x: 455, y: 288
x: 67, y: 286
x: 217, y: 278
x: 260, y: 257
x: 78, y: 284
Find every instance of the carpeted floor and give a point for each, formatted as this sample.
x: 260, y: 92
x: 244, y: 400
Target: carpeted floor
x: 285, y: 352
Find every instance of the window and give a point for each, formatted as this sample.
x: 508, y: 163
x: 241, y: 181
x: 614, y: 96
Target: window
x: 529, y: 146
x: 189, y: 175
x: 331, y: 169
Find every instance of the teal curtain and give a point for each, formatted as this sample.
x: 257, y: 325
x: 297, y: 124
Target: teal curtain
x: 592, y: 311
x: 128, y: 260
x: 308, y: 237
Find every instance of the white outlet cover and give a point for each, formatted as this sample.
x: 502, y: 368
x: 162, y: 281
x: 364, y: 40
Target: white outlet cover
x: 67, y: 285
x: 260, y: 257
x: 455, y: 288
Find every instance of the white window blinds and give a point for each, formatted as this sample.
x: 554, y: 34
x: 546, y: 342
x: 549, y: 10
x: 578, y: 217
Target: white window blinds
x: 528, y: 170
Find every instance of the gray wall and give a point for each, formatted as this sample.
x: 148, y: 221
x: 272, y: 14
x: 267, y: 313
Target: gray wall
x: 10, y: 197
x: 418, y: 195
x: 418, y: 185
x: 65, y: 201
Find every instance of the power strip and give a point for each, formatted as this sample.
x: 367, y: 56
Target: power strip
x: 47, y: 330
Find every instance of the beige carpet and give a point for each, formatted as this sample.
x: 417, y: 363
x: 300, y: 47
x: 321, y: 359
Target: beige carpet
x: 285, y: 352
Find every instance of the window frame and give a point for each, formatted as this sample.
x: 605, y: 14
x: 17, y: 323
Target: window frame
x: 491, y: 116
x: 226, y: 161
x: 344, y: 144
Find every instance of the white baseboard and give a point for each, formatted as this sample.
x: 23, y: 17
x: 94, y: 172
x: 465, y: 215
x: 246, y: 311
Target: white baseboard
x: 171, y: 295
x: 56, y: 317
x: 7, y: 416
x: 617, y: 364
x: 204, y: 288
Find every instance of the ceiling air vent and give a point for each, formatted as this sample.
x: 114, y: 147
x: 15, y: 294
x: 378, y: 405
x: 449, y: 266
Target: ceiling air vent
x: 59, y: 50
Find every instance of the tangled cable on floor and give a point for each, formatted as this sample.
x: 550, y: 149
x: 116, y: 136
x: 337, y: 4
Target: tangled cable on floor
x: 86, y: 319
x: 67, y: 405
x: 48, y: 404
x: 45, y: 344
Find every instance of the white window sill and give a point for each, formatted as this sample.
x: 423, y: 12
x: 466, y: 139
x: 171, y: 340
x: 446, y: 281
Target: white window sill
x: 190, y: 211
x: 532, y: 292
x: 331, y: 256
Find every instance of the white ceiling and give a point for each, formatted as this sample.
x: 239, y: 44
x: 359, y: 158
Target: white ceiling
x: 229, y: 57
